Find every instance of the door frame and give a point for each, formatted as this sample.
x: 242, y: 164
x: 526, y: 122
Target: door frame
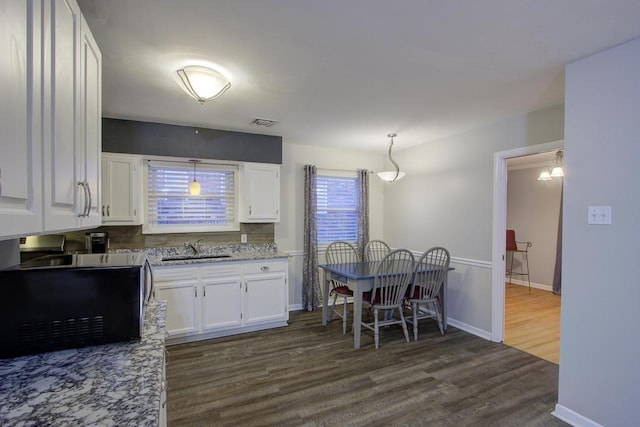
x: 499, y: 227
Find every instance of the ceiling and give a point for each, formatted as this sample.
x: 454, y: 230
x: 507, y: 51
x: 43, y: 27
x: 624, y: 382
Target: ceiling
x: 349, y: 72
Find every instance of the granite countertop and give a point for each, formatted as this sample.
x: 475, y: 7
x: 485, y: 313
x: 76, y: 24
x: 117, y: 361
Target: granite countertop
x: 115, y: 384
x: 240, y: 252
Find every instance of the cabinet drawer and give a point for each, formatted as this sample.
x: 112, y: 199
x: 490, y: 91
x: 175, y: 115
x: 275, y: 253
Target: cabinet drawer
x: 267, y: 266
x: 221, y: 270
x: 167, y: 274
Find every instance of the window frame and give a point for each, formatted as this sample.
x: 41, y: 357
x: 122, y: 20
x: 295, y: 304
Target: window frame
x: 180, y: 163
x: 338, y: 174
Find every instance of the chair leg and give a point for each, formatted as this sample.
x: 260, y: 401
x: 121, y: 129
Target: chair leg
x: 404, y: 325
x: 511, y: 267
x: 344, y: 316
x: 376, y: 328
x: 526, y: 258
x: 333, y: 306
x: 438, y: 312
x: 414, y: 309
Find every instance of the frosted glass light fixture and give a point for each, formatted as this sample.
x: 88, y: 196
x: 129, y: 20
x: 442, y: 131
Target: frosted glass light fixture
x: 557, y: 170
x: 194, y: 186
x: 394, y: 175
x: 202, y: 83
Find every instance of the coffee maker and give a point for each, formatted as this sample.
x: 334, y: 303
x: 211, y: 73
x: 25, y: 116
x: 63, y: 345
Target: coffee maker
x: 96, y: 243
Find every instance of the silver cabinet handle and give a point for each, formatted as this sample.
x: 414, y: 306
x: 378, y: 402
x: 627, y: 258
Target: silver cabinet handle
x: 84, y: 189
x: 102, y: 210
x: 89, y: 200
x: 108, y: 210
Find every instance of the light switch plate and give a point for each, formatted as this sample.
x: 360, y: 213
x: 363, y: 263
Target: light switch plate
x: 599, y: 215
x: 243, y: 238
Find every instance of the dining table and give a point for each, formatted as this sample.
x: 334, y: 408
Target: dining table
x: 359, y: 276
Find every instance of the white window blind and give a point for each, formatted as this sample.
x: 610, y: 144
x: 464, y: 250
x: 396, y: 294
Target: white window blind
x: 337, y: 199
x: 170, y: 207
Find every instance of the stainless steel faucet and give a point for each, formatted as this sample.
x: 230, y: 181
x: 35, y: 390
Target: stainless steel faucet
x: 195, y: 246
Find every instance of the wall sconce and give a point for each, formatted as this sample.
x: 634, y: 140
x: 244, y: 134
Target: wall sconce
x: 194, y: 186
x: 202, y: 83
x: 391, y: 176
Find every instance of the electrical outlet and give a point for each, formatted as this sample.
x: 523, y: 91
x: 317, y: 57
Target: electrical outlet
x: 599, y: 215
x: 243, y: 238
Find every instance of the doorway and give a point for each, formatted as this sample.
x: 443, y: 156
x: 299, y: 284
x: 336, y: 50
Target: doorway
x: 499, y: 227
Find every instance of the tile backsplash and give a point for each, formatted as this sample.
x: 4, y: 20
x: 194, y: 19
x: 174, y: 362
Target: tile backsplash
x: 131, y: 237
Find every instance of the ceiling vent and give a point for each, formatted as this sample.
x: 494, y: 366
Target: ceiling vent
x: 263, y: 122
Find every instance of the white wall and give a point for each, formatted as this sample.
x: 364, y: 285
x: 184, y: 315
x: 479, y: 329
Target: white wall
x: 600, y: 348
x: 533, y: 211
x: 289, y: 232
x: 447, y: 197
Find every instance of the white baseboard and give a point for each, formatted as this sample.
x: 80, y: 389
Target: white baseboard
x: 470, y: 329
x: 573, y: 418
x: 548, y: 288
x: 295, y: 307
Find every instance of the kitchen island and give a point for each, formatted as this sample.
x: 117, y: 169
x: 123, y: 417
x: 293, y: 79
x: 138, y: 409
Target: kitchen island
x: 119, y: 384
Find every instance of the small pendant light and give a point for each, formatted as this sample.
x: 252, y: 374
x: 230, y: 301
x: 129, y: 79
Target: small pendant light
x: 194, y: 186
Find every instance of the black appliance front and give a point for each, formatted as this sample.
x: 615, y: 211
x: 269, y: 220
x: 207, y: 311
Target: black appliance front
x: 53, y: 309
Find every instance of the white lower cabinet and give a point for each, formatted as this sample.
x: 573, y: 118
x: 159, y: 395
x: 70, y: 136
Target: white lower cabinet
x: 179, y: 287
x: 220, y: 299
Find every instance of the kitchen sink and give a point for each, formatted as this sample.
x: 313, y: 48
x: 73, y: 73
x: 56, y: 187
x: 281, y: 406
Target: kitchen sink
x: 194, y: 257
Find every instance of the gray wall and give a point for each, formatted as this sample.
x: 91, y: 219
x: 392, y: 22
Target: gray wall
x: 533, y: 211
x: 600, y: 349
x: 129, y: 136
x: 447, y: 199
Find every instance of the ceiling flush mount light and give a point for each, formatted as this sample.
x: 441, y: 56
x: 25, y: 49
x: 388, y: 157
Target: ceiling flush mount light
x: 391, y: 176
x: 203, y: 83
x: 194, y: 186
x: 556, y: 172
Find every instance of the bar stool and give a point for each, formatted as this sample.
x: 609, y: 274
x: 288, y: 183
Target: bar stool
x: 523, y: 250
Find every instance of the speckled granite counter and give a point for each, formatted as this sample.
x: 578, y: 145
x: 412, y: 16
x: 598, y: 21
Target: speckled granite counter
x: 109, y: 385
x: 240, y: 252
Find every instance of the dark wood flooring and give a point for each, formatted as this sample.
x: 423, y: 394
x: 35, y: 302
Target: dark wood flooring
x: 307, y: 374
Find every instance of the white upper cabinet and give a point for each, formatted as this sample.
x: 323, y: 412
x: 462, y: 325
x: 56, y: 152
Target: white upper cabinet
x: 50, y: 116
x: 72, y: 117
x: 90, y: 144
x: 120, y: 189
x: 20, y: 119
x: 260, y: 190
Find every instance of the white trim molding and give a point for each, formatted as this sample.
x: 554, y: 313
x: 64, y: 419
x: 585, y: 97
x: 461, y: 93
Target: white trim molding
x: 572, y: 417
x: 470, y: 329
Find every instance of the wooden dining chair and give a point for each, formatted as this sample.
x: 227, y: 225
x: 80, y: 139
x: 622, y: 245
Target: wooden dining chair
x: 375, y: 250
x: 340, y: 253
x: 389, y: 288
x: 430, y: 274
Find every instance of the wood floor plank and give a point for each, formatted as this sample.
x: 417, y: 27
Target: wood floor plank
x: 308, y: 374
x: 532, y: 321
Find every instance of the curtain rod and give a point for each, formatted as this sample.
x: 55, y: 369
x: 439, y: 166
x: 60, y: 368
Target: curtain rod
x: 188, y: 162
x: 342, y: 170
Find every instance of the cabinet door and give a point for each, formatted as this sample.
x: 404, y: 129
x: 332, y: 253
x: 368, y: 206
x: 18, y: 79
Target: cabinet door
x: 65, y: 194
x: 265, y: 298
x: 90, y: 141
x: 183, y: 312
x: 261, y: 193
x: 221, y: 304
x: 120, y: 184
x: 20, y: 119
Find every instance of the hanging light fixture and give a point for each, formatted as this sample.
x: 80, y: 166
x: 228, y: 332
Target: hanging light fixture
x: 194, y: 186
x: 391, y: 176
x: 202, y: 83
x: 545, y: 175
x: 557, y: 170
